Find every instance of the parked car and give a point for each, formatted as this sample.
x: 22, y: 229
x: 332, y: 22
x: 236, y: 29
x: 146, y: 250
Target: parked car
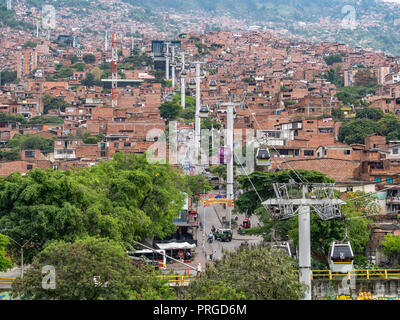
x: 223, y: 234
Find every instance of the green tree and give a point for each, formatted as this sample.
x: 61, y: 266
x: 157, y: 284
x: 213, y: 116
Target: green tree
x: 370, y: 113
x: 355, y: 131
x: 89, y: 58
x: 7, y: 76
x: 43, y: 119
x: 9, y: 155
x: 197, y: 185
x: 219, y: 290
x: 120, y: 199
x: 170, y: 111
x: 73, y: 59
x: 89, y: 269
x: 54, y: 103
x: 333, y: 58
x: 364, y: 77
x: 65, y: 72
x: 90, y: 81
x: 80, y: 67
x: 5, y: 263
x: 251, y: 273
x: 389, y: 126
x: 23, y: 142
x: 391, y: 247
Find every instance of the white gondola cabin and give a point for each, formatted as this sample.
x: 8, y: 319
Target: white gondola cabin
x: 341, y: 257
x: 204, y: 110
x: 284, y: 246
x: 263, y: 157
x: 192, y: 84
x: 213, y: 85
x: 183, y: 73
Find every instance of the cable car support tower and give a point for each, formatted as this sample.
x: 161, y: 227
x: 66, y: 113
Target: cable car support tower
x: 296, y: 199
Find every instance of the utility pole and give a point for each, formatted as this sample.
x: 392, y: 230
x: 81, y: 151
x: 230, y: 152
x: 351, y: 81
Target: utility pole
x: 37, y: 29
x: 305, y: 243
x: 282, y: 208
x: 106, y: 41
x: 114, y: 65
x: 173, y: 67
x: 198, y: 105
x: 183, y: 76
x: 167, y: 61
x: 229, y: 168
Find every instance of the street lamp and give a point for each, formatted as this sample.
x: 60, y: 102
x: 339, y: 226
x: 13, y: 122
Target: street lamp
x: 22, y: 250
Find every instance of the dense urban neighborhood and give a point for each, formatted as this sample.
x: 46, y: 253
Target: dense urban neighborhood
x: 184, y: 155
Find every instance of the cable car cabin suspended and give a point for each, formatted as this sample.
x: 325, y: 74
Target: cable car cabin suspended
x: 341, y: 257
x: 284, y: 246
x: 213, y: 85
x: 204, y: 110
x: 263, y: 157
x: 192, y: 84
x: 183, y: 73
x: 179, y: 67
x: 192, y: 68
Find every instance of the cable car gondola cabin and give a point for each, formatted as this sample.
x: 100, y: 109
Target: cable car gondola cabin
x: 203, y: 112
x: 284, y: 246
x: 192, y: 84
x: 341, y: 257
x: 213, y: 85
x: 263, y: 157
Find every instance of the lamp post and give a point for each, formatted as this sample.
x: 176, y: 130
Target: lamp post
x: 22, y: 250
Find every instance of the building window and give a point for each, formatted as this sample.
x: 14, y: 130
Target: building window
x: 29, y: 167
x: 378, y: 179
x: 389, y: 180
x: 29, y: 154
x: 308, y: 152
x: 395, y: 151
x: 349, y: 189
x: 116, y: 144
x: 346, y: 152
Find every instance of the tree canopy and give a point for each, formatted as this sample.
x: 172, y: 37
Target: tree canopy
x: 391, y: 247
x: 5, y: 263
x: 333, y: 58
x: 355, y: 131
x: 89, y: 58
x: 170, y: 111
x: 250, y: 273
x: 370, y: 113
x: 24, y: 142
x: 120, y: 199
x: 54, y: 103
x: 90, y: 269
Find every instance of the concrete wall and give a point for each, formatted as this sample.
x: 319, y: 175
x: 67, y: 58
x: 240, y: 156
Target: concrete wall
x: 377, y: 288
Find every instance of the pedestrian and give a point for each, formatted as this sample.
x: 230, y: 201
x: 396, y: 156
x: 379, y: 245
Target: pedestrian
x: 188, y: 255
x: 213, y: 256
x: 199, y: 269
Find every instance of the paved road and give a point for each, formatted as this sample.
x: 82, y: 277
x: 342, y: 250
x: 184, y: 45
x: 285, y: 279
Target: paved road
x: 214, y: 217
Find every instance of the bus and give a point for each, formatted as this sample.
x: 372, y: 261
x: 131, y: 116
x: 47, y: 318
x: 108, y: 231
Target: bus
x: 154, y: 257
